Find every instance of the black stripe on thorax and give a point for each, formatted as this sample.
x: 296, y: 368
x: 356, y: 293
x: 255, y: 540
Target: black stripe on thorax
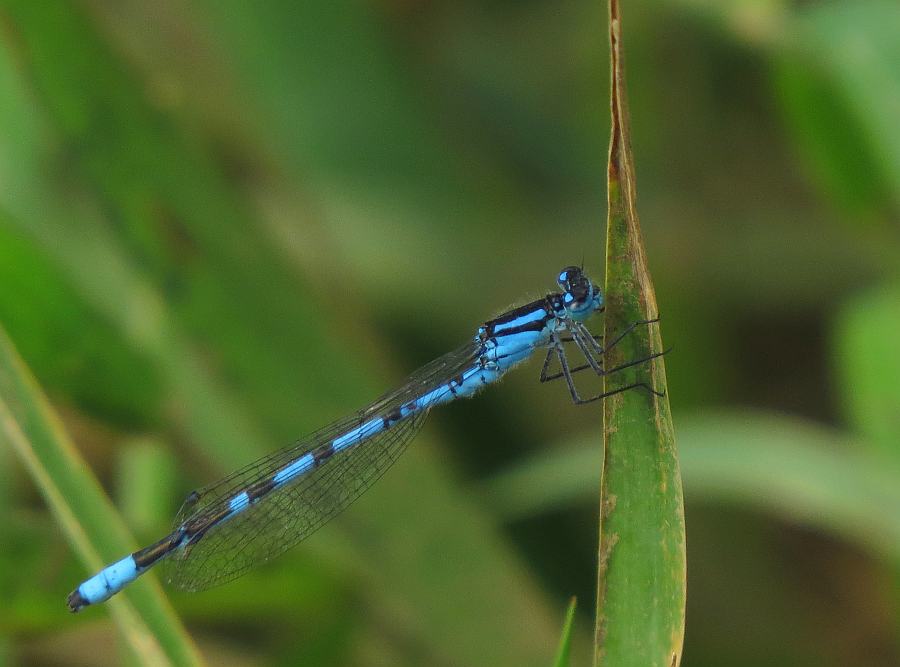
x: 516, y: 313
x: 536, y: 325
x: 544, y: 304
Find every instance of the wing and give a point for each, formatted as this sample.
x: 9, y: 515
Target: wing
x: 292, y: 512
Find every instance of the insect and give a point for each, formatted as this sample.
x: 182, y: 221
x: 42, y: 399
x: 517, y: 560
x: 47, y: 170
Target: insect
x: 270, y: 505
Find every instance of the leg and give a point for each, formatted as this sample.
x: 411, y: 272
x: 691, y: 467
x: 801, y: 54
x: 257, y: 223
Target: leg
x: 631, y: 327
x: 569, y: 339
x: 594, y: 341
x: 619, y: 390
x: 588, y: 337
x: 546, y: 366
x: 586, y: 341
x: 635, y: 362
x: 567, y: 374
x: 583, y: 367
x: 586, y: 350
x: 556, y: 376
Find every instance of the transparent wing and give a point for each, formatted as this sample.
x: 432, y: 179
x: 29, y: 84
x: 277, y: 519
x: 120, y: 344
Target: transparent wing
x: 291, y: 513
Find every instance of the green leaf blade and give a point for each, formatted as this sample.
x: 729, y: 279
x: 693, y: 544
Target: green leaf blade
x: 563, y: 653
x: 642, y: 567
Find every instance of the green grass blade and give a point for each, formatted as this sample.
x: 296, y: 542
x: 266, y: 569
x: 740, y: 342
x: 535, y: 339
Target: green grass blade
x: 565, y: 641
x: 152, y: 632
x: 642, y: 569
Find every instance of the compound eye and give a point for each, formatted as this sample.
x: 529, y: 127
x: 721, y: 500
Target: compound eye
x: 567, y: 276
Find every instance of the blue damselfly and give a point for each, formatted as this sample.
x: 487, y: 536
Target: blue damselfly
x: 268, y: 506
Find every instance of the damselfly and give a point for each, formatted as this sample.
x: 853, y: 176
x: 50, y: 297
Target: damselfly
x: 270, y: 505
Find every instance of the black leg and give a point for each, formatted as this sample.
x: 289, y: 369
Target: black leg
x: 584, y: 367
x: 594, y: 340
x: 586, y: 351
x: 565, y: 369
x: 569, y: 339
x: 636, y: 362
x: 619, y: 390
x: 631, y: 327
x: 578, y: 339
x: 556, y: 346
x: 590, y: 338
x: 572, y: 371
x: 546, y: 366
x: 585, y: 340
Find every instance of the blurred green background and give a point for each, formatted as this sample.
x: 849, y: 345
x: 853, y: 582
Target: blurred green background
x: 223, y: 224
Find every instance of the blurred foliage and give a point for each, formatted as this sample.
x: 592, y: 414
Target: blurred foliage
x: 223, y: 224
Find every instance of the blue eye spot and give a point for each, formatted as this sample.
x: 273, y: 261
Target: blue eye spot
x: 568, y: 298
